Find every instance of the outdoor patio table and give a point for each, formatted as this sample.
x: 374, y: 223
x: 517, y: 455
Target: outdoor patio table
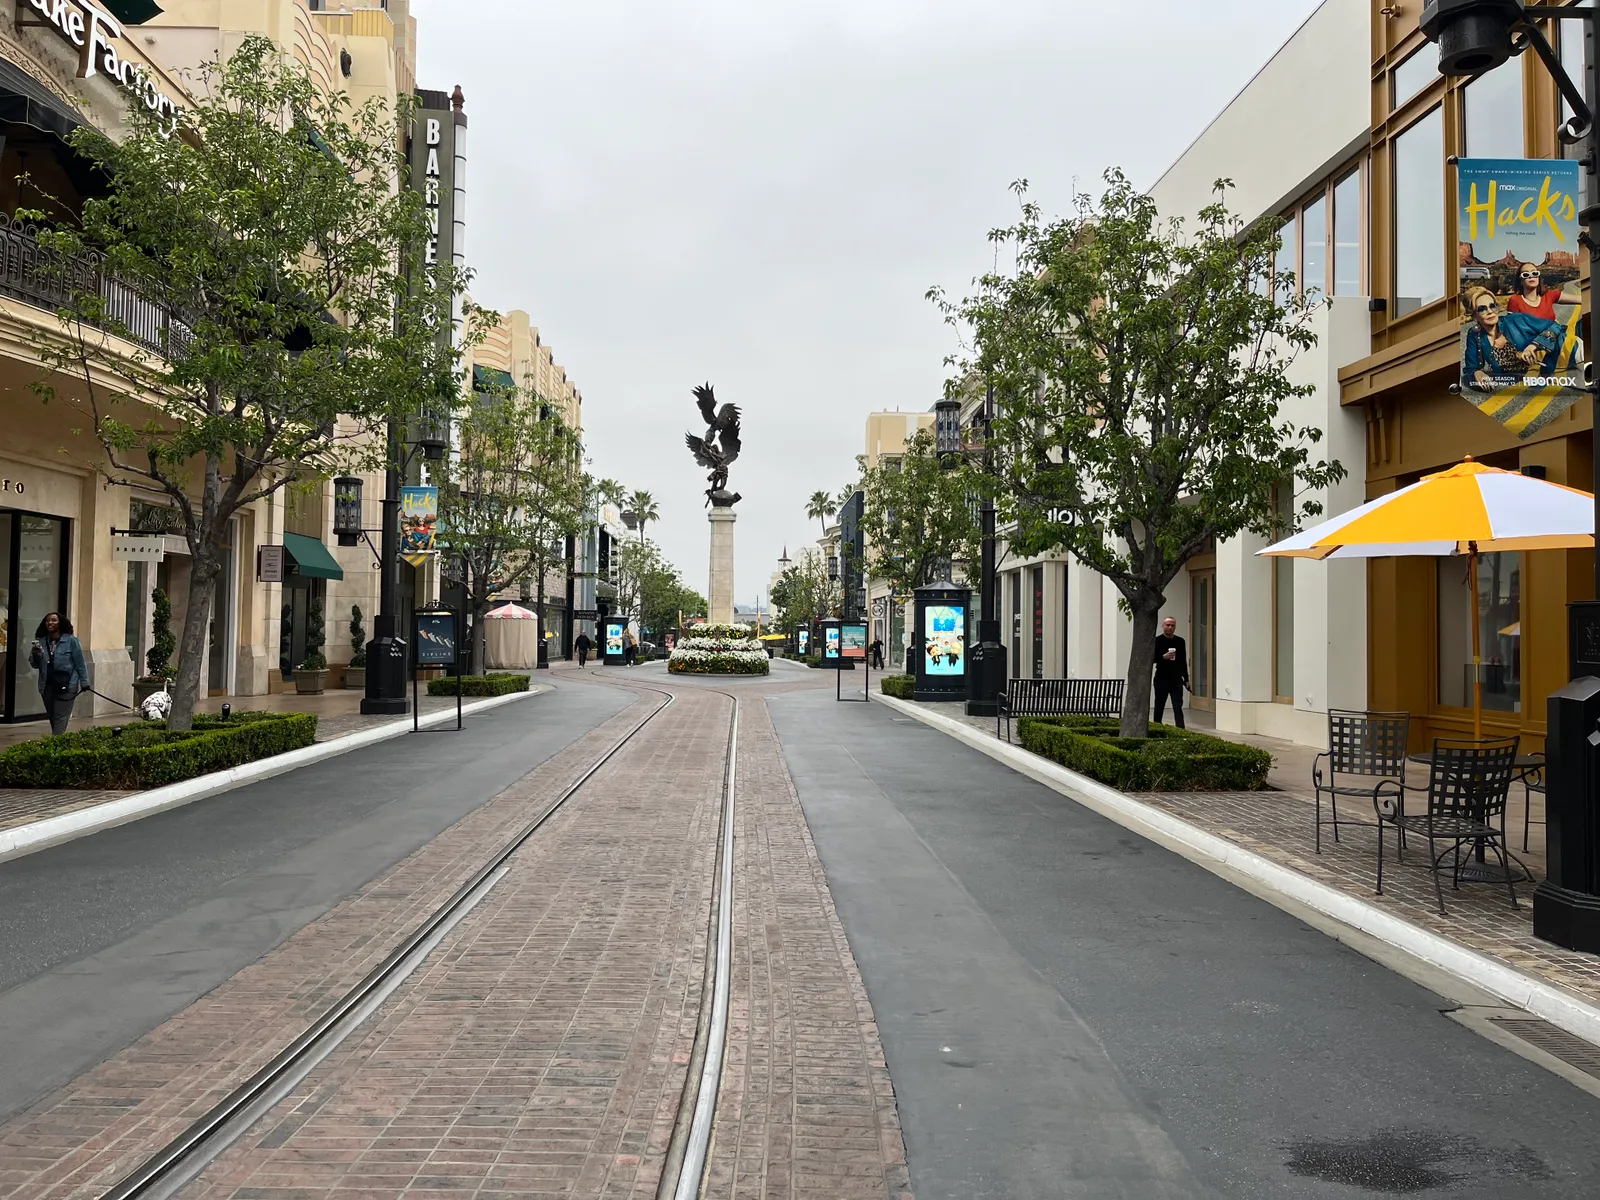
x: 1480, y: 871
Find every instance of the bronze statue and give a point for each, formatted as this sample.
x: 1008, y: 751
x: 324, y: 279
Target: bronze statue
x: 718, y: 448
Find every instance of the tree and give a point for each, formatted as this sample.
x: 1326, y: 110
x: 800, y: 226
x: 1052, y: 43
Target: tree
x: 611, y: 491
x: 1141, y: 367
x: 804, y: 593
x: 918, y: 516
x: 644, y: 508
x: 262, y: 248
x: 820, y: 507
x: 514, y: 492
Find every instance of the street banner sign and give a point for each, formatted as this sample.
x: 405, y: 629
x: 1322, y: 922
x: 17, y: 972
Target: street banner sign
x: 1517, y: 227
x: 419, y: 518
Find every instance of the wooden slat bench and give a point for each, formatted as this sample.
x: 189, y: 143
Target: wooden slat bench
x: 1058, y: 698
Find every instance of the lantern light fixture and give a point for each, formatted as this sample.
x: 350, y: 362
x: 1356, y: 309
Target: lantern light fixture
x: 347, y: 509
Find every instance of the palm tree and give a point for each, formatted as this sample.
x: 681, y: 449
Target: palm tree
x: 611, y: 491
x: 821, y: 507
x: 645, y: 510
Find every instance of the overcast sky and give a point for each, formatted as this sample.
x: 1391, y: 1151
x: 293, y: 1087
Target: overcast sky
x: 759, y: 194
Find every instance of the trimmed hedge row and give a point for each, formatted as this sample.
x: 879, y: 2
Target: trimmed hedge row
x: 150, y: 755
x: 1169, y: 760
x: 901, y: 687
x: 501, y: 683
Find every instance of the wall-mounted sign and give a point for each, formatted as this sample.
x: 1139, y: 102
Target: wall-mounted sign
x: 436, y: 639
x: 95, y: 34
x: 271, y: 564
x: 434, y: 151
x: 12, y: 486
x: 944, y: 639
x: 1517, y: 224
x: 585, y: 614
x: 138, y: 549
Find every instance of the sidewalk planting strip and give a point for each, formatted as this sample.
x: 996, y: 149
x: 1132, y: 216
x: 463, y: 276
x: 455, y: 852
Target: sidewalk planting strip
x: 1506, y: 962
x: 118, y: 808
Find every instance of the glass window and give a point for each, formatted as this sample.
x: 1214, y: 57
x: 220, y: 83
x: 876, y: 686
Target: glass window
x: 1348, y: 219
x: 1283, y: 266
x: 1499, y: 632
x: 1314, y: 249
x: 1419, y: 214
x: 40, y: 564
x: 1411, y: 76
x: 1283, y: 604
x: 1491, y: 111
x: 8, y: 644
x: 1570, y: 44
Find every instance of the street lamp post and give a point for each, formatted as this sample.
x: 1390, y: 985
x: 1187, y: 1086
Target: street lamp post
x: 986, y: 661
x: 1475, y: 36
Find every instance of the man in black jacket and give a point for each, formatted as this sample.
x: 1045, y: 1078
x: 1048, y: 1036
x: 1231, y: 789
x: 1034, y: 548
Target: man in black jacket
x: 582, y: 644
x: 1172, y: 671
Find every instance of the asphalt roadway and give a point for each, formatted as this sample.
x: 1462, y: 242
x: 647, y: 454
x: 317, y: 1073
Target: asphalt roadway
x: 1069, y: 1010
x: 106, y: 937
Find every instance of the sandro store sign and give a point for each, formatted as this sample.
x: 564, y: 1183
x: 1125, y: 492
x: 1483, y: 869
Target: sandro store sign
x: 95, y: 33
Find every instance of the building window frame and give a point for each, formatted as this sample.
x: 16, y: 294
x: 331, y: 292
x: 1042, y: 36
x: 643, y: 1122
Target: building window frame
x: 1296, y: 214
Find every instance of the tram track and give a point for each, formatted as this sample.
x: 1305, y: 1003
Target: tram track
x: 167, y: 1171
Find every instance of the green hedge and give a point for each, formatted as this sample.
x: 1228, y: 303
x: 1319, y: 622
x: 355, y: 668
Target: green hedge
x: 718, y: 665
x: 814, y: 661
x: 148, y: 754
x: 498, y: 684
x: 901, y: 687
x: 1169, y: 760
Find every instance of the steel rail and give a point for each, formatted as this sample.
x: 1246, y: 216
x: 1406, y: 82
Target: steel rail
x: 181, y: 1159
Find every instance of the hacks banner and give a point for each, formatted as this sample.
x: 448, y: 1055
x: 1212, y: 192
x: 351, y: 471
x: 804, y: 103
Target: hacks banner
x: 419, y: 517
x: 1517, y: 251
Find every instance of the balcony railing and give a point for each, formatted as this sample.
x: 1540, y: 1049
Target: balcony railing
x: 46, y: 279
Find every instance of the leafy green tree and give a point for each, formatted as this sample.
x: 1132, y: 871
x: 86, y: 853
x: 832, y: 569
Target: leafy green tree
x: 918, y: 516
x: 611, y: 491
x: 820, y: 507
x: 508, y: 501
x: 266, y: 252
x: 1140, y: 367
x: 804, y: 593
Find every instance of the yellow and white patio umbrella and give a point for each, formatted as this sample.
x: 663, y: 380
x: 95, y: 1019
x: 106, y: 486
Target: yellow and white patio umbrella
x: 1470, y: 509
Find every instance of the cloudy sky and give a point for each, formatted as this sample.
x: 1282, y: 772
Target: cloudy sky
x: 759, y: 194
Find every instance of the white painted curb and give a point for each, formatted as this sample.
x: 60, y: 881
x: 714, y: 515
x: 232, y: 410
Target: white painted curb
x: 1560, y: 1007
x: 39, y: 835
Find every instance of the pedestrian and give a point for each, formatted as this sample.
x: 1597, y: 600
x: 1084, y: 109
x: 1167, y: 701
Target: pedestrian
x: 582, y: 645
x: 877, y: 654
x: 1172, y: 671
x: 58, y: 658
x: 630, y: 648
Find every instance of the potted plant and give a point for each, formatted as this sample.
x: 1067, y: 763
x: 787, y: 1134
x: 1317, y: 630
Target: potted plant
x: 311, y: 676
x: 158, y: 660
x: 355, y: 675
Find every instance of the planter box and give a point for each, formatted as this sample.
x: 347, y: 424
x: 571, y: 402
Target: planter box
x: 143, y: 689
x: 310, y: 683
x: 355, y: 679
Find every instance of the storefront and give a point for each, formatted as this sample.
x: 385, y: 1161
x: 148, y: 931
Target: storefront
x: 34, y: 551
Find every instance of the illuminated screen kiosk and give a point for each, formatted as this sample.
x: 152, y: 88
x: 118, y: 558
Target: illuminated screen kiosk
x: 611, y: 641
x: 939, y: 643
x: 828, y: 639
x: 803, y: 638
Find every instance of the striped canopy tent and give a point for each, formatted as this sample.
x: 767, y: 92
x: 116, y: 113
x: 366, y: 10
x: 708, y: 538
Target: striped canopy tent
x: 511, y: 636
x: 1470, y: 509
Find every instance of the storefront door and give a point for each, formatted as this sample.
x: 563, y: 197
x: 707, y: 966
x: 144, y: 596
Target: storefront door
x: 33, y: 582
x: 1203, y: 640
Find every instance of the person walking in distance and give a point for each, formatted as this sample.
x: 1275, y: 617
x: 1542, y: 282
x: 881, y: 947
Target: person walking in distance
x: 630, y: 648
x: 58, y: 657
x: 1172, y: 671
x: 582, y: 645
x: 877, y: 654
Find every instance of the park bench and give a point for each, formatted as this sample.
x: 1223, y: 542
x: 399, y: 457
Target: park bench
x: 1058, y: 698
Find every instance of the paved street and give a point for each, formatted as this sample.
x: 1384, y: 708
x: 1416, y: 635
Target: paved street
x: 1068, y: 1010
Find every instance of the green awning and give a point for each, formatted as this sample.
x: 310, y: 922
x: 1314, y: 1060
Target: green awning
x: 131, y: 12
x: 311, y: 557
x: 492, y: 379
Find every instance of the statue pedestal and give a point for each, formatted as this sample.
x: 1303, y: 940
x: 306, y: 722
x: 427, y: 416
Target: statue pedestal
x: 719, y: 595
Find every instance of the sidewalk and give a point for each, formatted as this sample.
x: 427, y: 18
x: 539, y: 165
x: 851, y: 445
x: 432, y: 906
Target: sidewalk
x: 1279, y: 826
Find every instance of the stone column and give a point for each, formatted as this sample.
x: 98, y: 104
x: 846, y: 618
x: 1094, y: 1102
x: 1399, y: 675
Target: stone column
x: 720, y: 593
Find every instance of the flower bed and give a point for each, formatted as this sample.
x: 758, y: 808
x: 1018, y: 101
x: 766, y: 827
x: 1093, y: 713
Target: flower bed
x: 149, y: 755
x: 498, y: 684
x: 719, y: 650
x: 1169, y: 760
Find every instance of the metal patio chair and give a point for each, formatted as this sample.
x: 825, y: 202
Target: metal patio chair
x: 1468, y: 783
x: 1366, y: 758
x: 1532, y: 781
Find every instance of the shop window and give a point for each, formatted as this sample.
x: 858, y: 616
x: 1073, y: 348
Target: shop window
x: 1411, y: 76
x: 1283, y: 602
x: 1491, y: 113
x: 1419, y: 214
x: 1348, y: 220
x: 1314, y: 249
x: 1499, y: 632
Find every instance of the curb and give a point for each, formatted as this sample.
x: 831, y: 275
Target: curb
x: 23, y: 840
x: 1560, y: 1007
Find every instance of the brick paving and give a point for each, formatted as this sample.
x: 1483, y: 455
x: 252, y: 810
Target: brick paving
x: 542, y: 1049
x: 1278, y: 825
x: 78, y: 1141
